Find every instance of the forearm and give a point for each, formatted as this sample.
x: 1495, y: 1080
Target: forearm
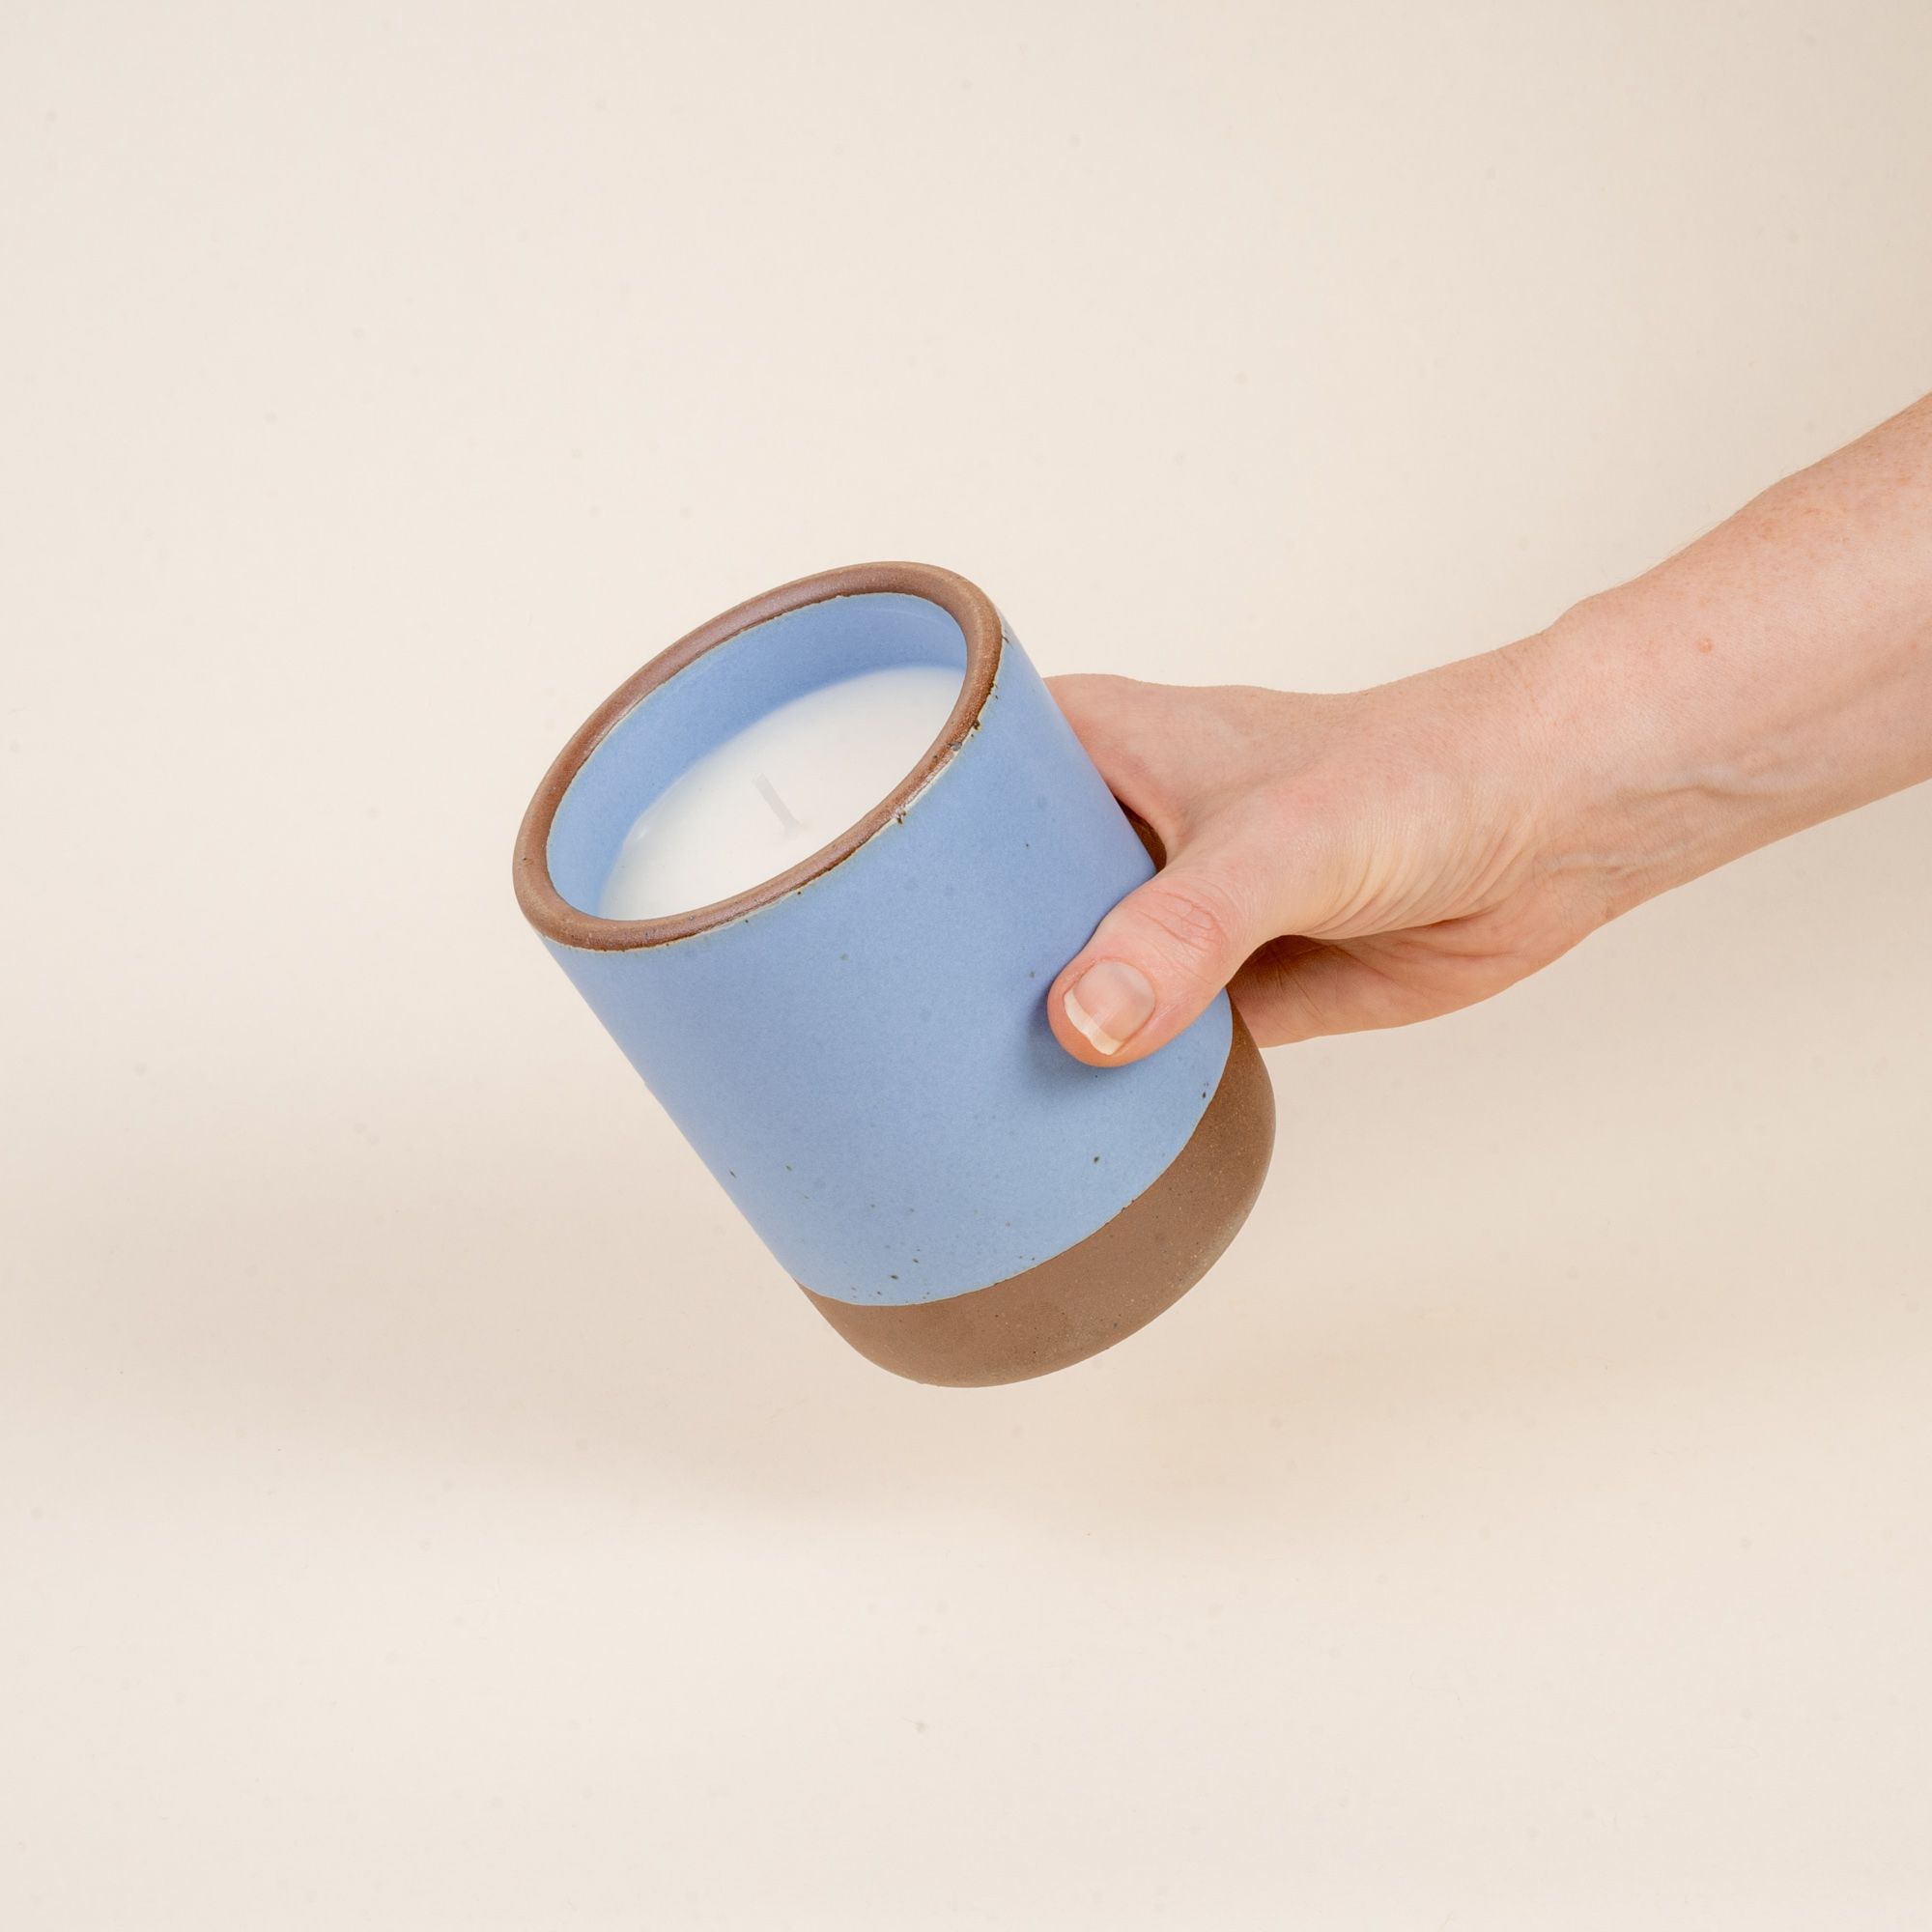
x: 1383, y: 856
x: 1776, y: 672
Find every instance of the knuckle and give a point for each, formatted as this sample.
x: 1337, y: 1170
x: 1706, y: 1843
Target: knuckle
x: 1193, y: 918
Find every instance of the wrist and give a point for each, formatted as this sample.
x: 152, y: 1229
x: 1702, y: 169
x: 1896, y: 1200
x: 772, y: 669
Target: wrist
x: 1637, y: 790
x: 1776, y: 672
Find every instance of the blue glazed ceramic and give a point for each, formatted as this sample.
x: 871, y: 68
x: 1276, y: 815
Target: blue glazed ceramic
x: 859, y: 1049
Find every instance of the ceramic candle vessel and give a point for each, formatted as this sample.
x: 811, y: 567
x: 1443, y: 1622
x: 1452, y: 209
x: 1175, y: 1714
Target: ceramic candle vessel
x: 857, y: 1048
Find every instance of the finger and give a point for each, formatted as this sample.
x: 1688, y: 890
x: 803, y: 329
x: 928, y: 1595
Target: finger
x: 1157, y: 961
x: 1298, y: 989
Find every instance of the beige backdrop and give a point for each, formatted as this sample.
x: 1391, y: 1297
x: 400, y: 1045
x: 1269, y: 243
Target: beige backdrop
x: 422, y: 1504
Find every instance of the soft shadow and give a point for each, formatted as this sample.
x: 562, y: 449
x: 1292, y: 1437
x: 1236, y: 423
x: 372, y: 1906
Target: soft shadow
x: 415, y: 1303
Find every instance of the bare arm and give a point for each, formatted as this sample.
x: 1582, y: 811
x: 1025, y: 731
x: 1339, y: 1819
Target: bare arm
x: 1368, y: 859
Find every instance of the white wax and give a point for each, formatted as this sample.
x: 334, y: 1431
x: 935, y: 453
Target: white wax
x: 784, y: 786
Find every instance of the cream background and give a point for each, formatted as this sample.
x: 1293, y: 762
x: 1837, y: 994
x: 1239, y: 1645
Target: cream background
x: 421, y: 1502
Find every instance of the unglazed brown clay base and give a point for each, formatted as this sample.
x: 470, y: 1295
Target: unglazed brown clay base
x: 1102, y: 1289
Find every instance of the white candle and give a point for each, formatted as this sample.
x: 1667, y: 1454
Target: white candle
x: 777, y: 791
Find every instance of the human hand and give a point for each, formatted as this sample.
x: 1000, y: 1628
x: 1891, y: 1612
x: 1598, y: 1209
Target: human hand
x: 1368, y: 859
x: 1338, y: 861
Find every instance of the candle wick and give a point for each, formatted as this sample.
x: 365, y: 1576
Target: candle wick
x: 776, y: 803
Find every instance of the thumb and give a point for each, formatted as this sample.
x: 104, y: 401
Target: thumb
x: 1155, y: 961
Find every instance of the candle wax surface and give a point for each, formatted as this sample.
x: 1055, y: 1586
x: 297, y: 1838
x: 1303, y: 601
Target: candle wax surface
x: 777, y: 791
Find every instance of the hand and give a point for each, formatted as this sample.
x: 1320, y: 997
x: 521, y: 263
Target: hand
x: 1369, y: 859
x: 1338, y: 861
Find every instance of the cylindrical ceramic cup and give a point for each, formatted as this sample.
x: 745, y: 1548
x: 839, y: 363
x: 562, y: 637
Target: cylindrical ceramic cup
x: 857, y: 1048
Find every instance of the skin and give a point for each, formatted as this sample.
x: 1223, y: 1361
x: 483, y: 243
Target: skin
x: 1376, y: 858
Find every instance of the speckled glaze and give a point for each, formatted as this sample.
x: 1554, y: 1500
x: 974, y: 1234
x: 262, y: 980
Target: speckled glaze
x: 858, y: 1049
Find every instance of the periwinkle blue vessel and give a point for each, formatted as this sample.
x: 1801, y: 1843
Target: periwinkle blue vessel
x: 857, y: 1048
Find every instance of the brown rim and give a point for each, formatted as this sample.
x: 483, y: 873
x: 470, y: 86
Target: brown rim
x: 555, y: 918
